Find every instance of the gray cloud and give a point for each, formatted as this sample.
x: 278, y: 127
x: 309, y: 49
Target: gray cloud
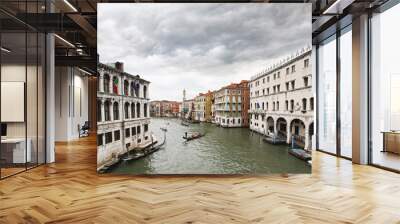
x: 199, y: 46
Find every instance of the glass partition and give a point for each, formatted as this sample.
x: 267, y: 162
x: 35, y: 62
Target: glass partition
x: 14, y: 153
x: 385, y: 89
x: 22, y: 87
x: 346, y: 92
x: 327, y: 95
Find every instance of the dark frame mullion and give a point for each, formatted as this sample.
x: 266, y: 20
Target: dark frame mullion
x: 338, y: 94
x: 369, y: 98
x: 26, y: 87
x: 316, y: 97
x: 37, y: 91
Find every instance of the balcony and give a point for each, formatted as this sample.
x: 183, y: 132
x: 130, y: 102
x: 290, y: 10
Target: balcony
x: 257, y: 111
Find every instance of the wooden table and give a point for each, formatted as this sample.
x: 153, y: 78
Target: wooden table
x: 391, y: 141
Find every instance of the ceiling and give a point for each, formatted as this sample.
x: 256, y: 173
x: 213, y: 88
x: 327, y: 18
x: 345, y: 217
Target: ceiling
x: 75, y: 22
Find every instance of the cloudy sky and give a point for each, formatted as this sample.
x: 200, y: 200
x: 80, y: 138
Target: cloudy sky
x: 199, y: 46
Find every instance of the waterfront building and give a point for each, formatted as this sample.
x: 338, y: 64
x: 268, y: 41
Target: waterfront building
x: 164, y: 108
x: 232, y: 105
x: 209, y: 107
x: 199, y: 107
x: 123, y: 112
x: 282, y: 102
x: 155, y: 109
x: 188, y: 109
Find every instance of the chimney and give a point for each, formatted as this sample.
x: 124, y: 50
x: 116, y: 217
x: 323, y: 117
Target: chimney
x: 119, y: 66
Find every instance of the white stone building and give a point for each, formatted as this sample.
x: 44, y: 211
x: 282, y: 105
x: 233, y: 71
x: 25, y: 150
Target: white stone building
x: 282, y: 101
x: 123, y: 112
x: 200, y: 107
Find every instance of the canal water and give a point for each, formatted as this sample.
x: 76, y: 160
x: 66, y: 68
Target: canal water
x: 220, y: 151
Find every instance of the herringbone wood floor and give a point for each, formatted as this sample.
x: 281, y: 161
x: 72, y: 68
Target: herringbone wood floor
x: 70, y: 191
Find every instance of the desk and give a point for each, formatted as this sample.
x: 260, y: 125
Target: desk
x: 391, y: 141
x: 13, y: 150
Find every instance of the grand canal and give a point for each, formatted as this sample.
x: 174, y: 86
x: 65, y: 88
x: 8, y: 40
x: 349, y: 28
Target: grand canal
x: 220, y: 151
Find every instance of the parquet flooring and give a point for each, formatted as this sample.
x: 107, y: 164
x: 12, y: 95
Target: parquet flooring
x: 70, y: 191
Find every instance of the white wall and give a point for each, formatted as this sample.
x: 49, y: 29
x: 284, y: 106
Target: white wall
x: 71, y: 102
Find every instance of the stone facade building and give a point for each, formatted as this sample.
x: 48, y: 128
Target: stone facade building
x: 232, y: 105
x: 200, y: 107
x: 123, y: 113
x: 188, y: 109
x: 164, y: 108
x: 209, y: 114
x: 282, y: 101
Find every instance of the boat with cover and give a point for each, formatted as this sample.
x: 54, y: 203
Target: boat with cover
x: 192, y: 136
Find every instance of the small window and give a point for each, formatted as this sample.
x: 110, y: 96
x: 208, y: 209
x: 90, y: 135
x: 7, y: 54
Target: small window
x: 146, y: 127
x: 100, y: 140
x: 117, y: 135
x: 312, y: 103
x: 133, y: 131
x: 138, y: 129
x: 128, y: 132
x: 287, y: 71
x: 306, y: 62
x: 293, y: 68
x: 305, y: 81
x: 108, y: 137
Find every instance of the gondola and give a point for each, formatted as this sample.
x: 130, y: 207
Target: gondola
x: 148, y: 150
x: 193, y: 136
x: 184, y: 123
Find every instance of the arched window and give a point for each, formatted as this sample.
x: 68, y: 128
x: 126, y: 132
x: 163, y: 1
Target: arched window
x: 137, y: 88
x: 144, y: 91
x: 138, y: 110
x: 133, y: 110
x: 145, y: 110
x: 116, y: 111
x: 126, y: 110
x: 312, y: 103
x: 126, y: 87
x: 106, y: 83
x: 107, y: 116
x: 132, y: 89
x: 99, y: 111
x: 304, y: 104
x: 115, y: 84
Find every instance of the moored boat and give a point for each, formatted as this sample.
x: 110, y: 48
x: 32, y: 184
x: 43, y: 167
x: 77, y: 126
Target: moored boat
x: 300, y: 153
x: 274, y: 140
